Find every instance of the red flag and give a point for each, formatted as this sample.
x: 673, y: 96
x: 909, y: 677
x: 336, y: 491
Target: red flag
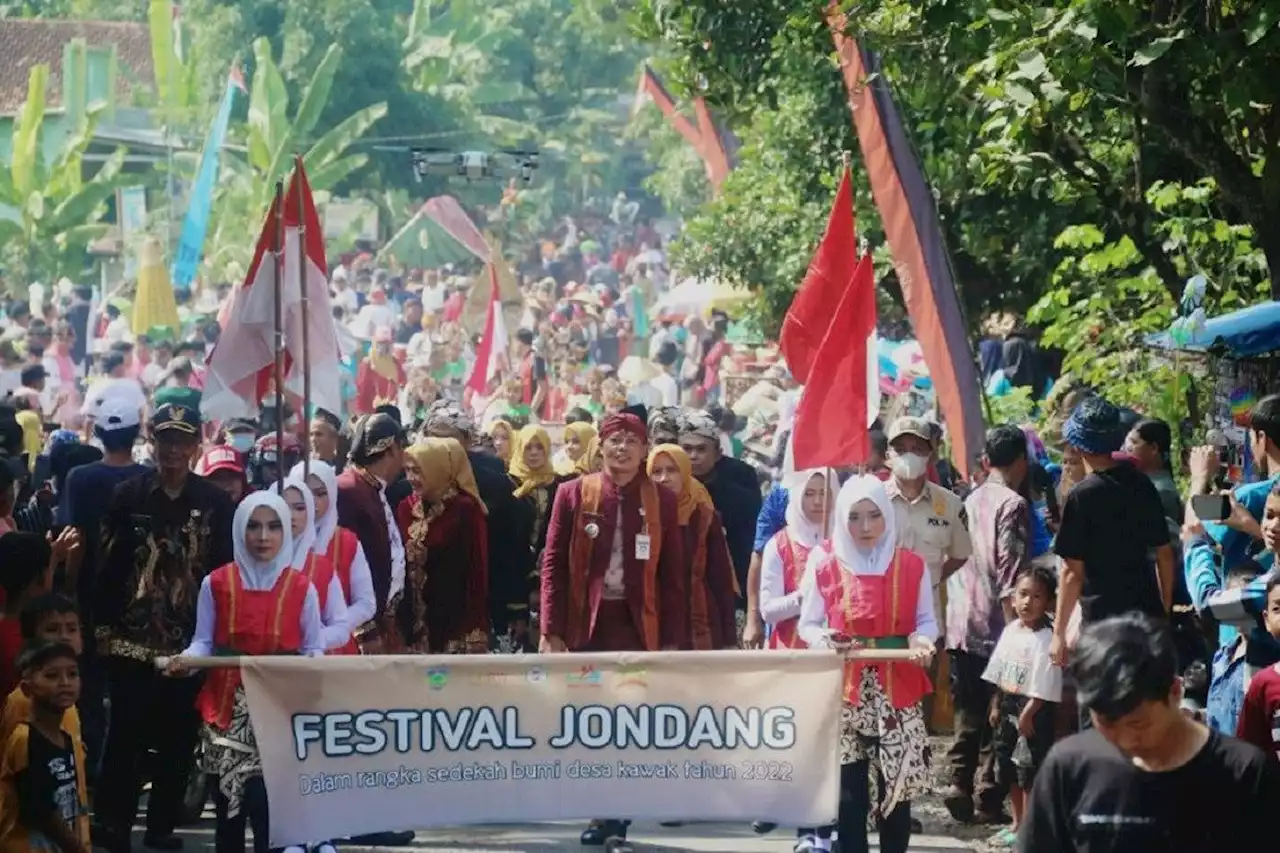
x: 814, y: 306
x: 839, y: 383
x: 493, y: 343
x: 242, y: 364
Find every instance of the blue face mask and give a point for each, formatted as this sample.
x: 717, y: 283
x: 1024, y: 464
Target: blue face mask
x: 241, y: 442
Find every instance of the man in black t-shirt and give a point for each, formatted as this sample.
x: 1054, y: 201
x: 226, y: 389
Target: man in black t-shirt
x: 1147, y: 777
x: 1110, y: 521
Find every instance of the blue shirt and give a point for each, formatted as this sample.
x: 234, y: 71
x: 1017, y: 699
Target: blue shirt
x: 1226, y: 689
x: 1236, y: 545
x: 772, y: 517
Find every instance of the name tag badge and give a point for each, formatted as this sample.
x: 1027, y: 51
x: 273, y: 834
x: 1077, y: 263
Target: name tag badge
x: 642, y: 546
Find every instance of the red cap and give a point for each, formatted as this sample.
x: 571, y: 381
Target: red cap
x: 220, y: 458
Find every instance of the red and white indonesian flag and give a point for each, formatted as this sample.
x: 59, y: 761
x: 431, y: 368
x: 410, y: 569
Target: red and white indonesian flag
x: 242, y: 364
x: 494, y: 342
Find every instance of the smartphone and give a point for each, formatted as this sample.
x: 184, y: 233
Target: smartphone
x: 1211, y: 507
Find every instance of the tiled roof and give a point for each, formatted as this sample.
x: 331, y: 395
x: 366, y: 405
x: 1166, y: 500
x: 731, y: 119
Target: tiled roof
x: 24, y: 44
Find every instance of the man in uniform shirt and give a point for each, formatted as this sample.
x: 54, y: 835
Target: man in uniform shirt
x: 931, y: 522
x: 164, y: 532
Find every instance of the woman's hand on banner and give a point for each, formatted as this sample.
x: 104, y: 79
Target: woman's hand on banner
x: 753, y: 632
x: 922, y: 651
x: 550, y: 643
x: 176, y: 667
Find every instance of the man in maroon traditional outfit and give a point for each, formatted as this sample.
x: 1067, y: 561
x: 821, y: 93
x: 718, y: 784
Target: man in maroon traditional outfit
x: 612, y: 574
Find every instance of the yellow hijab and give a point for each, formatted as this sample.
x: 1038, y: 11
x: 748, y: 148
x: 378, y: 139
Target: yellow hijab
x: 531, y: 478
x: 585, y: 433
x: 694, y: 494
x: 442, y: 462
x: 492, y: 430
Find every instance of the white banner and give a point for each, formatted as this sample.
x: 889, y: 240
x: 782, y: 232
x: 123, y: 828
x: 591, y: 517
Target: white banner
x: 352, y: 745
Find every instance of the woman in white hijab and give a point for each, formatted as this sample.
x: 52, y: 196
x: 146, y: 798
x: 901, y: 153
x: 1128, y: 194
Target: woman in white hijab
x: 810, y: 495
x: 342, y: 547
x: 314, y: 564
x: 260, y: 584
x: 862, y: 591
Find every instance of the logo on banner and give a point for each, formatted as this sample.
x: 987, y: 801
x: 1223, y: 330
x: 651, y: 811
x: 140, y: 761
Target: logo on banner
x: 631, y: 675
x: 587, y: 676
x: 437, y: 677
x: 536, y: 675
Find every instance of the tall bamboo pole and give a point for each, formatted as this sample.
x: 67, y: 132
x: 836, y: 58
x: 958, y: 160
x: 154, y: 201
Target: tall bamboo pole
x: 278, y: 207
x: 306, y: 326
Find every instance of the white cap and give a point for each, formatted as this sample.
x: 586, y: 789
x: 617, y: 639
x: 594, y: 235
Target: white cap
x: 116, y: 412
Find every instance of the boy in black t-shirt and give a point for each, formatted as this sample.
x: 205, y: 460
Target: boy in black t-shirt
x: 43, y: 803
x: 1147, y: 778
x: 1111, y: 520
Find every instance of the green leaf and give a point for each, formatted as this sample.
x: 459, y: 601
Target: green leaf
x: 1148, y: 54
x: 79, y: 208
x: 1019, y: 94
x: 1031, y: 65
x: 1262, y: 21
x: 268, y: 104
x: 25, y: 157
x: 333, y: 143
x: 164, y: 60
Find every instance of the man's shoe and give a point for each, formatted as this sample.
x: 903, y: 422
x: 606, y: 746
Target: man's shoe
x: 917, y: 828
x: 762, y: 827
x: 959, y: 803
x: 601, y: 831
x: 991, y: 817
x: 385, y: 839
x: 164, y: 841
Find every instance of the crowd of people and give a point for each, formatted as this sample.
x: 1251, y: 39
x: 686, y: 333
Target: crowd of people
x: 593, y: 498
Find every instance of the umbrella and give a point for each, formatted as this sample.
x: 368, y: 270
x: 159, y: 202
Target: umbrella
x: 700, y: 296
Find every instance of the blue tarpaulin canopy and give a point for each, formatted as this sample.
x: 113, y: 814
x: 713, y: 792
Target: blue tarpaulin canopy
x: 1248, y: 332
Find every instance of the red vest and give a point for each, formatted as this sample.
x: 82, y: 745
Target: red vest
x: 341, y: 554
x: 794, y: 557
x: 249, y: 622
x: 876, y: 606
x: 526, y: 379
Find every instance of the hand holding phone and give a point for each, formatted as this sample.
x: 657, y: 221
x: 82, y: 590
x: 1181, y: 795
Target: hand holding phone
x: 1211, y: 507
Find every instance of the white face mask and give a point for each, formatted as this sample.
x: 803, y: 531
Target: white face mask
x: 908, y: 466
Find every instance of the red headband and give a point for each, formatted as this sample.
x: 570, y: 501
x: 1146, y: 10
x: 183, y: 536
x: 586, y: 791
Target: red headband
x: 623, y: 423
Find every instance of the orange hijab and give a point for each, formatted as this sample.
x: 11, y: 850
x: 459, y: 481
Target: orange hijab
x: 694, y: 494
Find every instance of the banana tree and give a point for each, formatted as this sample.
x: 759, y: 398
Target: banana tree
x: 271, y: 139
x: 48, y: 212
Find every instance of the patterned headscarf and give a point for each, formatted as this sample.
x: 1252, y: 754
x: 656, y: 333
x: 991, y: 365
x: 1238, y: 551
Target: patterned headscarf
x: 693, y: 494
x: 1094, y: 427
x: 701, y: 425
x: 531, y: 478
x: 665, y: 421
x: 445, y: 416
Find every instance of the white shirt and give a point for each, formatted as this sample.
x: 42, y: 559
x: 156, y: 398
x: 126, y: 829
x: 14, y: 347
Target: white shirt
x: 347, y: 300
x: 1020, y: 663
x: 371, y: 318
x: 117, y: 330
x: 10, y: 381
x: 667, y: 387
x: 202, y: 644
x: 644, y: 394
x: 151, y: 374
x: 397, y: 546
x: 432, y: 299
x: 615, y: 578
x: 813, y: 610
x: 336, y: 621
x: 363, y: 605
x: 776, y: 604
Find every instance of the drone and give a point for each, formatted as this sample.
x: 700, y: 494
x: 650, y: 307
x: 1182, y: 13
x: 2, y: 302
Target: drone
x: 473, y: 166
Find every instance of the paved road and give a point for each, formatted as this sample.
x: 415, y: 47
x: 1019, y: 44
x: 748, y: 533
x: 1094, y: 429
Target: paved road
x: 561, y: 837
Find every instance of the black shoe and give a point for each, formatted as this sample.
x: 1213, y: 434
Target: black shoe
x: 762, y: 827
x: 991, y: 817
x: 601, y: 831
x: 385, y: 839
x: 165, y: 841
x: 671, y: 823
x: 959, y: 803
x: 917, y: 828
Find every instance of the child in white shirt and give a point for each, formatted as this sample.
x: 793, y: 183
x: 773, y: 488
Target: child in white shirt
x: 1028, y: 689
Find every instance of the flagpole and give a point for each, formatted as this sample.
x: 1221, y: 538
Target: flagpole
x: 306, y: 325
x: 279, y: 337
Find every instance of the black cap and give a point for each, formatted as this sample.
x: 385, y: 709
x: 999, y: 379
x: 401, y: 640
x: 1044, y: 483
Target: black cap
x: 240, y: 425
x: 173, y: 417
x: 374, y: 435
